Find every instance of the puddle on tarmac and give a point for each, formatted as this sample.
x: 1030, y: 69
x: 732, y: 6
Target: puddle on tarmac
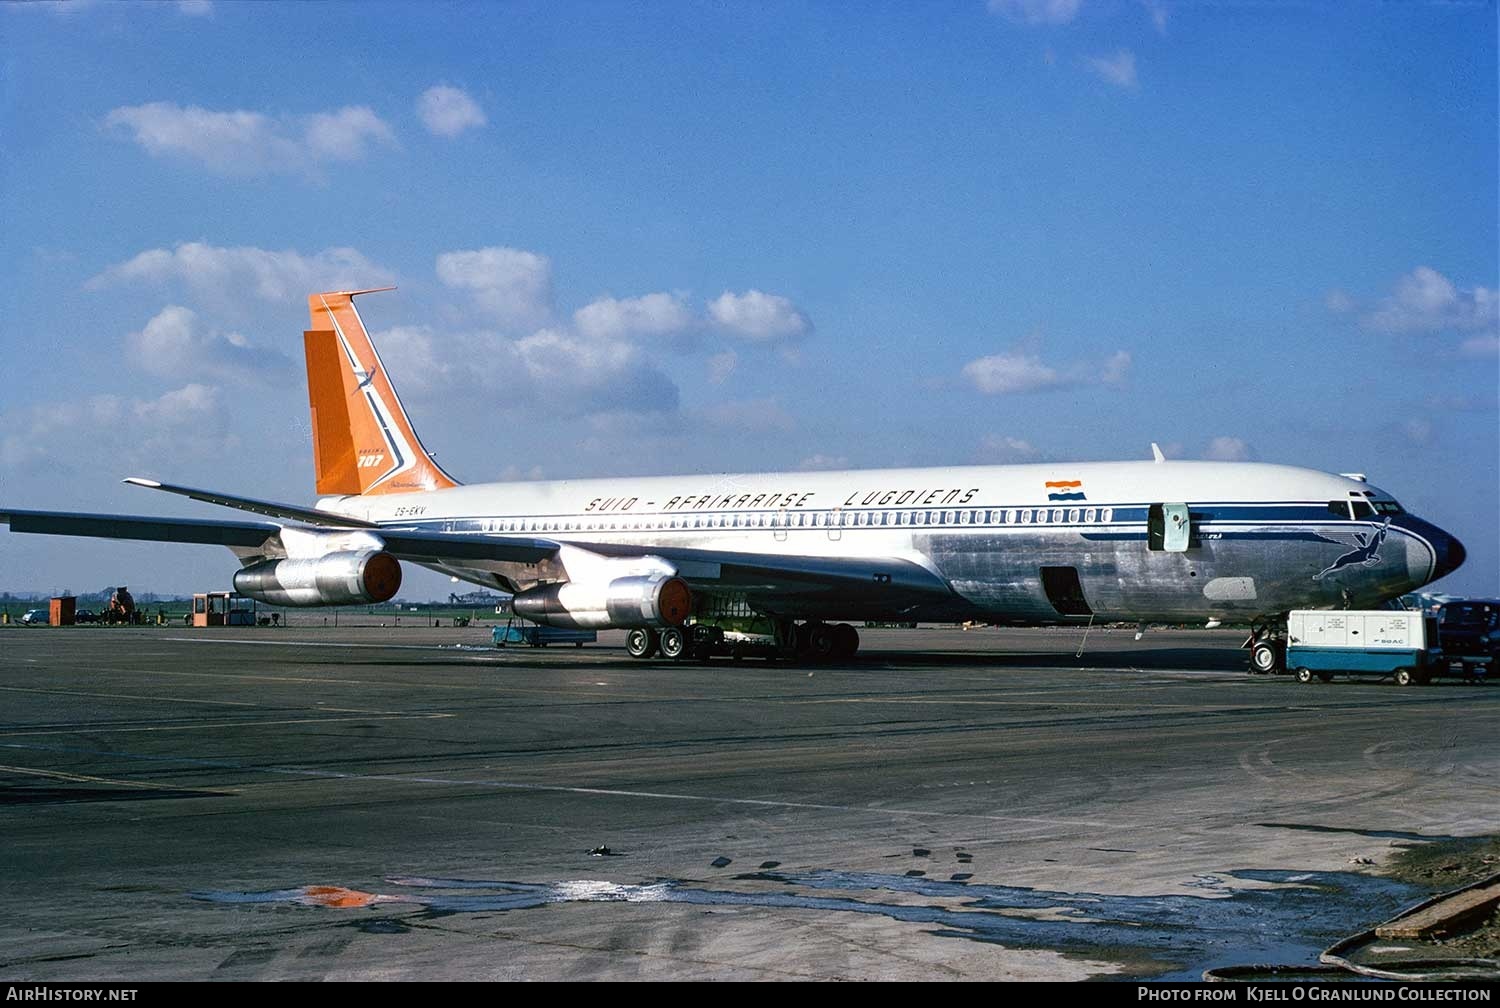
x: 1287, y: 917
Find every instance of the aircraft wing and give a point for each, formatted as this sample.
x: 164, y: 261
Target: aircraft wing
x: 234, y: 534
x: 772, y: 579
x: 262, y: 537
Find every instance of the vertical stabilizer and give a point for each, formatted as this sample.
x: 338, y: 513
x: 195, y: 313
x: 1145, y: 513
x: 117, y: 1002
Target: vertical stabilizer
x: 363, y: 442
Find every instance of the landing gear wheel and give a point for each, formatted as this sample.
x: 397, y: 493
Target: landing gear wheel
x: 820, y: 642
x: 1404, y: 677
x: 641, y: 643
x: 1304, y: 675
x: 845, y: 640
x: 673, y: 643
x: 1265, y: 659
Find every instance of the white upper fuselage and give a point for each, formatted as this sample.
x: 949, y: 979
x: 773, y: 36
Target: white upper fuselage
x: 573, y: 509
x: 1264, y: 537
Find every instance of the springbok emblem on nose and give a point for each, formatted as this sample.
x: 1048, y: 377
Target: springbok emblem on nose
x: 1366, y: 548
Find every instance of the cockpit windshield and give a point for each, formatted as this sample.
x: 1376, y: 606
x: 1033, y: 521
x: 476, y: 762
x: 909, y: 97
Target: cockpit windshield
x: 1388, y: 507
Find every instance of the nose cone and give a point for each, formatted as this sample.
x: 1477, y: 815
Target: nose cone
x: 1432, y: 554
x: 1450, y: 555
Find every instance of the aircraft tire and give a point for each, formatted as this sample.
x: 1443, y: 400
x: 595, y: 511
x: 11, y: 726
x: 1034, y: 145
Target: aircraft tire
x: 1265, y: 659
x: 674, y: 643
x: 845, y: 640
x: 642, y: 643
x: 821, y: 642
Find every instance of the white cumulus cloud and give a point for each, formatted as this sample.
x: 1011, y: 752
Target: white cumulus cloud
x: 1003, y: 373
x: 174, y: 343
x: 759, y: 317
x: 1036, y: 11
x: 552, y: 369
x: 1425, y: 301
x: 1025, y: 371
x: 344, y: 135
x: 448, y: 111
x: 221, y: 274
x: 511, y: 285
x: 1118, y: 69
x: 650, y: 315
x: 243, y: 142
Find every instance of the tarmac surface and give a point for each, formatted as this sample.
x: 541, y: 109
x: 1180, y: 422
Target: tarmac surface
x: 319, y: 803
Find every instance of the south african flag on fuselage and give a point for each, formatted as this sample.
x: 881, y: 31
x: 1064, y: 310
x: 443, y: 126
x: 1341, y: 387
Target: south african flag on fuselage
x: 1065, y: 490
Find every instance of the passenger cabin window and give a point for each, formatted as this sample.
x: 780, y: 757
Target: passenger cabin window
x: 1168, y: 528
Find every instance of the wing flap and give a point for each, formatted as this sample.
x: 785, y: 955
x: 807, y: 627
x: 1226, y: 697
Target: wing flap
x: 772, y: 576
x: 437, y: 547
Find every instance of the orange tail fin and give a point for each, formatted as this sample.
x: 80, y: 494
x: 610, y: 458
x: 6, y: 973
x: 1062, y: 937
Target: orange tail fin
x: 363, y: 442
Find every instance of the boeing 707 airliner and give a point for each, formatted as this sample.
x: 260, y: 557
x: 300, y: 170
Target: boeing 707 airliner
x: 671, y: 558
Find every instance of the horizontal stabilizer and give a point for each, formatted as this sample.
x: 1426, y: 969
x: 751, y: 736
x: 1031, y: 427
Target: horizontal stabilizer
x: 271, y: 509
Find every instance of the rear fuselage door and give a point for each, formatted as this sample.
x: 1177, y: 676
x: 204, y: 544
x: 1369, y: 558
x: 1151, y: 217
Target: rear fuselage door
x: 1065, y: 591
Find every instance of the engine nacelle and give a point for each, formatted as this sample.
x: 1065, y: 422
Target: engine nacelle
x: 350, y: 577
x: 641, y: 600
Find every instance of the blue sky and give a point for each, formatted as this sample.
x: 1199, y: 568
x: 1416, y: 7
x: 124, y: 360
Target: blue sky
x: 642, y: 240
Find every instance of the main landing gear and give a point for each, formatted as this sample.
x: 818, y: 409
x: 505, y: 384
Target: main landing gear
x: 810, y: 642
x: 1267, y: 646
x: 821, y: 642
x: 677, y: 643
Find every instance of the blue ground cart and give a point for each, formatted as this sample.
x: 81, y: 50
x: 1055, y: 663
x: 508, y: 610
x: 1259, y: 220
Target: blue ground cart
x: 518, y: 631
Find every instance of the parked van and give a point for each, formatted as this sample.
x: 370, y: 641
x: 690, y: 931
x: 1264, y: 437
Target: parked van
x: 1323, y: 642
